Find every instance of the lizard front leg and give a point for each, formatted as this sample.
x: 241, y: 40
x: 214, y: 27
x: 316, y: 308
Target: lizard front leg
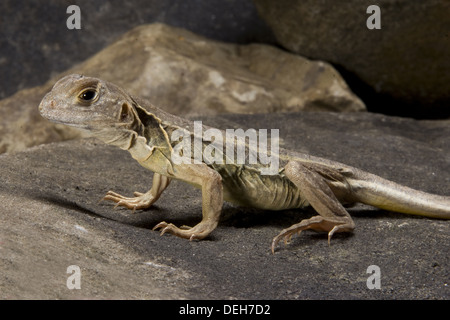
x: 210, y: 182
x: 313, y: 185
x: 141, y: 200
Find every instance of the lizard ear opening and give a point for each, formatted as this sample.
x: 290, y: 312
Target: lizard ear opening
x: 126, y: 113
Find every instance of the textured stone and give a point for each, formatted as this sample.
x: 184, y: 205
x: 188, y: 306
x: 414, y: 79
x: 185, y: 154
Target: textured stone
x: 405, y: 63
x: 51, y: 218
x: 188, y: 74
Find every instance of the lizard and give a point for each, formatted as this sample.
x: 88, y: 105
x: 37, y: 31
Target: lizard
x: 109, y: 113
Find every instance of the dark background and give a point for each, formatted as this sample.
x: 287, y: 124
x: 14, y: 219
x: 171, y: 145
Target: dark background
x: 35, y: 42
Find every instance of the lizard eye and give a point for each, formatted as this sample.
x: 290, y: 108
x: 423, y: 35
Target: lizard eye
x: 88, y: 95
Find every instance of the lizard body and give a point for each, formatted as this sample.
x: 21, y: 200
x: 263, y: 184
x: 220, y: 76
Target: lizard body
x: 144, y: 130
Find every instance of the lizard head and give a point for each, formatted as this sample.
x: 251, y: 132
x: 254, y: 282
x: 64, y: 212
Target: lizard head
x: 89, y: 103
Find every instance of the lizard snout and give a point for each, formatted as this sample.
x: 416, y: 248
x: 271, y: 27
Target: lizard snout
x: 46, y: 104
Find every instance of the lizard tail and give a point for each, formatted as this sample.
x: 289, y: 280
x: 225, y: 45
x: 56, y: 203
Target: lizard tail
x: 391, y: 196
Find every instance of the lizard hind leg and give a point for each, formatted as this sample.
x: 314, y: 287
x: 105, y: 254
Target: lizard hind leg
x: 311, y: 180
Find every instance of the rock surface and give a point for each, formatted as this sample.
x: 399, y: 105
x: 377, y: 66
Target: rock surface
x: 186, y: 74
x: 405, y: 62
x: 51, y: 218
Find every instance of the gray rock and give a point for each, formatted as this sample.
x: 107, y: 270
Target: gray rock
x: 186, y: 74
x: 406, y: 62
x: 51, y: 218
x: 21, y: 125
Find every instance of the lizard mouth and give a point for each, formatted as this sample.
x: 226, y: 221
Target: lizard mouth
x: 76, y: 125
x: 47, y: 110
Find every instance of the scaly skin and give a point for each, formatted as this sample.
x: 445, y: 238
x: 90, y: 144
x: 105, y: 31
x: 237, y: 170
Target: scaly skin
x: 115, y: 117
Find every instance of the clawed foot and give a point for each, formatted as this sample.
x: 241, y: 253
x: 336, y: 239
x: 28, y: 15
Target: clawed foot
x: 140, y: 201
x: 198, y: 232
x: 286, y: 235
x: 317, y: 223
